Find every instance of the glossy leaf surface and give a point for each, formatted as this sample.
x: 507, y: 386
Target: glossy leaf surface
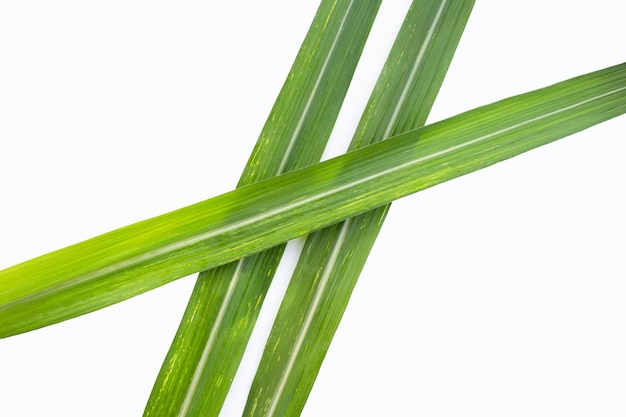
x: 210, y: 341
x: 128, y: 261
x: 332, y: 259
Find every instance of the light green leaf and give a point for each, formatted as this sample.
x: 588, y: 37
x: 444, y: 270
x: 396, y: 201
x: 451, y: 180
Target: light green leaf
x: 332, y: 258
x: 134, y: 259
x: 208, y: 346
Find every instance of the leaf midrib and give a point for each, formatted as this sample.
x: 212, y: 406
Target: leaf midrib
x: 181, y: 244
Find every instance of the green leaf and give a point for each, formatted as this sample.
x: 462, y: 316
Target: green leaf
x: 128, y: 261
x: 332, y: 258
x: 208, y: 346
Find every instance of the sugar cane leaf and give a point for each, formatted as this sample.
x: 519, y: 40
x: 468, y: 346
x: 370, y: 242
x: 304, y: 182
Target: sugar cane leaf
x: 210, y: 341
x: 131, y: 260
x: 332, y: 258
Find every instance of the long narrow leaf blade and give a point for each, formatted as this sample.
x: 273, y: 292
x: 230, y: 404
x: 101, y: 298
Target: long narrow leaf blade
x: 332, y: 258
x: 210, y: 341
x: 131, y: 260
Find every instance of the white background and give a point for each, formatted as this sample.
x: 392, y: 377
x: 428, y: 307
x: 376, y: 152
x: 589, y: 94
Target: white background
x: 499, y: 293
